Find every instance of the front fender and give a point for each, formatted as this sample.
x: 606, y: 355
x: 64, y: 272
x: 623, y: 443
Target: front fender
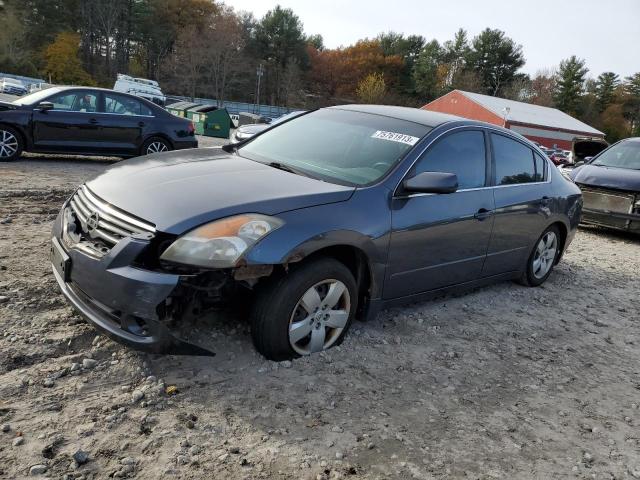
x: 309, y: 230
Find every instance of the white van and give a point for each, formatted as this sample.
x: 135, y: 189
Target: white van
x: 141, y: 87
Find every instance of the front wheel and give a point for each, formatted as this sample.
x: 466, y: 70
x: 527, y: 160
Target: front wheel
x: 155, y: 145
x: 10, y: 144
x: 306, y: 311
x: 543, y: 258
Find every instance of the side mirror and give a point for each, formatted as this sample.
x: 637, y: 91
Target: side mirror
x: 432, y: 182
x: 45, y: 106
x: 587, y: 159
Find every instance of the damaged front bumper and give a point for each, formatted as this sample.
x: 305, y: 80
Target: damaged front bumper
x: 611, y: 209
x: 119, y: 299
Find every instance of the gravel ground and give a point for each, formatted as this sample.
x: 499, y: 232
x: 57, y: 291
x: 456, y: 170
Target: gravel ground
x: 503, y: 382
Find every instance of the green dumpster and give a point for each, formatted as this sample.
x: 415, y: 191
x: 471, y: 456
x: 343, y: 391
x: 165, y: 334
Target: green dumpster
x: 210, y: 120
x: 180, y: 108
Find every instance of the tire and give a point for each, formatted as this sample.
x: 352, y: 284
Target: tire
x: 288, y: 320
x: 543, y: 257
x: 155, y: 145
x: 11, y: 144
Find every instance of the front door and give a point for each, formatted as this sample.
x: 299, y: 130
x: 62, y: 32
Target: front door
x: 439, y: 240
x: 72, y: 125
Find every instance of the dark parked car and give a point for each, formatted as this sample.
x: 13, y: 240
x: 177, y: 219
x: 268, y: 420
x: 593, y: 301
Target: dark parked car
x: 89, y: 121
x: 327, y: 217
x: 610, y: 184
x: 247, y: 131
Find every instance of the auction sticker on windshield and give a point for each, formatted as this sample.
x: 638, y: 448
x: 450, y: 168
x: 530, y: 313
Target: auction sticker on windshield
x: 395, y: 137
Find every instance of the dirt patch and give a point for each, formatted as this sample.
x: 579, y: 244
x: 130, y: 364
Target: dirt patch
x: 503, y: 382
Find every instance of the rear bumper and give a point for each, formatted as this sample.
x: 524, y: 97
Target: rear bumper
x: 120, y: 300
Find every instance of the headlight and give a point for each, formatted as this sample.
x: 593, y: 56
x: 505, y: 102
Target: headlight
x: 221, y: 243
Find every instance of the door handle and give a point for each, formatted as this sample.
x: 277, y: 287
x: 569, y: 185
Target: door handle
x: 93, y: 121
x: 141, y: 124
x: 483, y: 214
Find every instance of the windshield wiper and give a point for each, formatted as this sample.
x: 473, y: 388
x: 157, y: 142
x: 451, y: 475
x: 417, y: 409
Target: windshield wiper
x: 286, y: 168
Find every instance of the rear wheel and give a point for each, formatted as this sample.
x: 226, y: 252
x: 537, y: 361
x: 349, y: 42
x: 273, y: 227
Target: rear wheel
x: 307, y: 311
x: 10, y: 144
x: 155, y: 145
x: 543, y: 258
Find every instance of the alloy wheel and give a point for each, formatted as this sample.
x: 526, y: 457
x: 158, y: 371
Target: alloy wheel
x: 155, y: 147
x: 319, y: 317
x: 545, y: 255
x: 8, y: 144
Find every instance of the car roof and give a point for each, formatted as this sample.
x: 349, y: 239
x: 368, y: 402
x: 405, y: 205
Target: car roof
x: 64, y: 88
x: 415, y: 115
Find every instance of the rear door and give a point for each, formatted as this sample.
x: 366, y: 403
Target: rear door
x: 439, y: 240
x: 123, y: 123
x: 521, y: 210
x: 71, y: 125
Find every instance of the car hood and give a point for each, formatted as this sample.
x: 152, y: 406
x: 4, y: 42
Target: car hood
x: 607, y: 177
x: 180, y: 190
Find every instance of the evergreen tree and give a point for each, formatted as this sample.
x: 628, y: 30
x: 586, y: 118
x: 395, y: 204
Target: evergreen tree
x: 570, y: 81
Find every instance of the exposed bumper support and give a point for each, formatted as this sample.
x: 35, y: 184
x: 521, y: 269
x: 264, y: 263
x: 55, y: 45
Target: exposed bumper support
x: 121, y: 300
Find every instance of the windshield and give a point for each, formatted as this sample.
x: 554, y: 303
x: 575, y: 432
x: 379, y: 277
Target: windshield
x: 36, y: 97
x: 337, y: 145
x: 625, y: 154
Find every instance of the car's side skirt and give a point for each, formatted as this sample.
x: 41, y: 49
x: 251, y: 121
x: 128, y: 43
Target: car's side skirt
x: 375, y: 305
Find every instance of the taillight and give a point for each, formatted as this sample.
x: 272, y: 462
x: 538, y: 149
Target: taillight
x: 192, y: 128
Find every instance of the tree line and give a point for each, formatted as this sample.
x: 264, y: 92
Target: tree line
x: 201, y: 48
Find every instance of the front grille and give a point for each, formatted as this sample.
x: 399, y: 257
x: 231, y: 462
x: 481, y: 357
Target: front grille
x: 100, y: 225
x: 607, y: 200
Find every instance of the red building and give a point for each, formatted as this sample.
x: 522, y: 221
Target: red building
x: 547, y: 126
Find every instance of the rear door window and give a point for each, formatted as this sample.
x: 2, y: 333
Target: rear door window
x: 462, y: 153
x: 121, y: 105
x: 514, y: 161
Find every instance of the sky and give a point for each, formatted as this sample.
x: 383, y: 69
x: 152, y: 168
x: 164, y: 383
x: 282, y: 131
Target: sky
x: 605, y: 33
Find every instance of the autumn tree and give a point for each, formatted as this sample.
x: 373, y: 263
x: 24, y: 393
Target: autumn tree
x: 337, y: 72
x: 372, y: 88
x: 408, y: 48
x: 225, y: 42
x: 570, y: 80
x: 496, y: 58
x: 186, y: 65
x: 62, y: 63
x: 543, y: 86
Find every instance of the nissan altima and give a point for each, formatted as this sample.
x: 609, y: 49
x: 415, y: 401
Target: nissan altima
x: 89, y: 121
x: 325, y: 218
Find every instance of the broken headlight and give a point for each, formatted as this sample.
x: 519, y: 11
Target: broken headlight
x: 221, y: 243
